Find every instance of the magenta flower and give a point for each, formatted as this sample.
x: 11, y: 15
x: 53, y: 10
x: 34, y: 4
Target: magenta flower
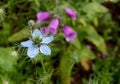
x: 42, y: 16
x: 44, y: 30
x: 53, y: 26
x: 103, y: 56
x: 69, y: 33
x: 90, y: 46
x: 71, y: 13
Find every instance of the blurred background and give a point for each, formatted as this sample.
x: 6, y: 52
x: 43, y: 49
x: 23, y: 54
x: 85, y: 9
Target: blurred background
x: 92, y: 58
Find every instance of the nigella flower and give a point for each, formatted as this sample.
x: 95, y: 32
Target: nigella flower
x: 42, y: 16
x: 71, y: 13
x: 53, y: 26
x: 69, y: 33
x: 38, y: 43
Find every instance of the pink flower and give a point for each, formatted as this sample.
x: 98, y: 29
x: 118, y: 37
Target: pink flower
x: 90, y: 46
x: 71, y: 13
x: 53, y: 26
x: 69, y: 33
x: 44, y: 30
x: 103, y: 56
x: 42, y: 16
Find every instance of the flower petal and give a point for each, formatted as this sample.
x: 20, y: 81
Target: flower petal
x: 42, y: 16
x: 71, y: 13
x: 47, y: 40
x: 37, y: 33
x: 53, y: 26
x: 32, y: 51
x: 45, y: 50
x: 69, y: 33
x: 27, y: 43
x: 44, y: 30
x: 71, y: 37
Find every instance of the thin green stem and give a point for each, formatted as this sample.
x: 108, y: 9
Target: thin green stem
x: 56, y: 8
x: 41, y: 59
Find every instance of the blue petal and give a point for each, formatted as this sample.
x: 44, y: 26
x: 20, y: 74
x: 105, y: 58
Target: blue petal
x: 45, y: 50
x: 47, y: 39
x: 37, y: 33
x: 27, y: 43
x: 32, y: 52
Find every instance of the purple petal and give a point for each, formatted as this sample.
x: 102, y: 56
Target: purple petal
x: 42, y: 16
x: 53, y: 26
x: 103, y: 56
x: 90, y: 46
x: 69, y: 33
x: 71, y: 13
x: 45, y: 31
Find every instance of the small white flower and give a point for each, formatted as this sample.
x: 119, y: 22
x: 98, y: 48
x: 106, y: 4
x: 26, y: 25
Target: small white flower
x: 39, y: 42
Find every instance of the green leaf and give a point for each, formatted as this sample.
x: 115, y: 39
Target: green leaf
x: 94, y: 7
x: 66, y: 64
x: 8, y: 58
x: 6, y: 28
x: 22, y: 34
x: 76, y: 43
x: 96, y: 39
x: 85, y: 52
x: 94, y: 10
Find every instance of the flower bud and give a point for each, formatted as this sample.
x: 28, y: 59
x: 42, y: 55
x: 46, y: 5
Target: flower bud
x: 31, y: 23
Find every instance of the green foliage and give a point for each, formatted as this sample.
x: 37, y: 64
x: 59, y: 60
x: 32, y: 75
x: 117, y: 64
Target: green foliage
x: 97, y: 24
x: 65, y: 68
x: 85, y: 52
x: 8, y: 58
x: 22, y: 34
x: 91, y: 10
x: 104, y: 75
x: 3, y: 33
x: 76, y: 43
x: 96, y: 39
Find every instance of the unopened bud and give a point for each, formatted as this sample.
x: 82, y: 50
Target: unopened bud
x: 31, y: 23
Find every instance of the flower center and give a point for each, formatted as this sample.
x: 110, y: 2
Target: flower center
x: 37, y: 40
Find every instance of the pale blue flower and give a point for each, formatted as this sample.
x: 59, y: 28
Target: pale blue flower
x: 39, y: 42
